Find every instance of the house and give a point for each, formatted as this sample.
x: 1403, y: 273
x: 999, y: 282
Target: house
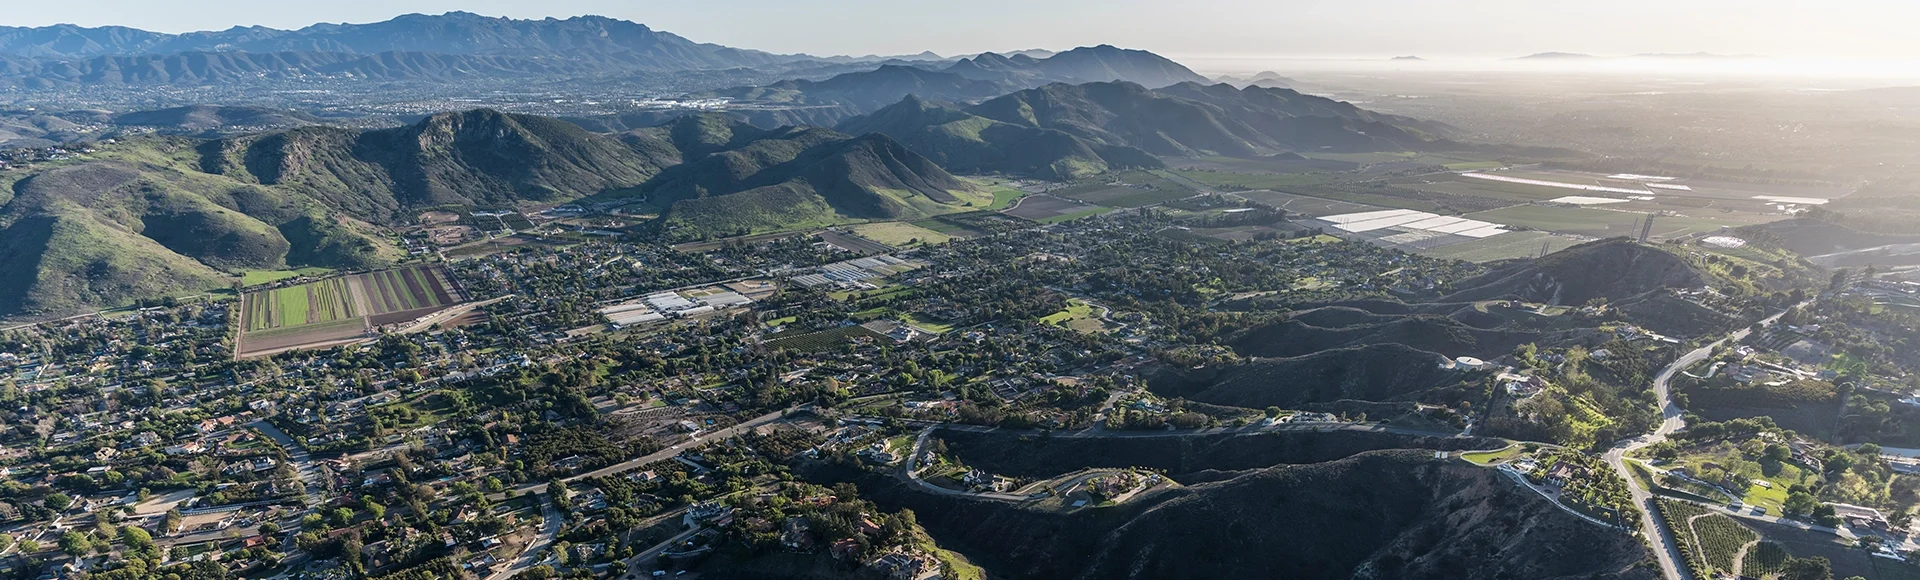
x: 905, y: 566
x: 1560, y: 474
x: 797, y: 534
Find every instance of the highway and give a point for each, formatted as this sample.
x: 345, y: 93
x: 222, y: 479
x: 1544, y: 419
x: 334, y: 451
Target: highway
x: 1673, y: 419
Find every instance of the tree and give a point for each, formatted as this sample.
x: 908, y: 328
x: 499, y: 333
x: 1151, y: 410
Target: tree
x: 75, y: 544
x: 1778, y: 453
x: 135, y: 537
x: 1273, y: 412
x: 58, y: 502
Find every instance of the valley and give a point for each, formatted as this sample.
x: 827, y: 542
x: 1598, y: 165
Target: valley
x: 484, y: 298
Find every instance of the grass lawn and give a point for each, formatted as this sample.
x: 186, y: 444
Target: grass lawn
x: 1078, y: 316
x: 929, y: 325
x: 1075, y: 309
x: 900, y: 234
x: 1492, y: 457
x: 1005, y: 196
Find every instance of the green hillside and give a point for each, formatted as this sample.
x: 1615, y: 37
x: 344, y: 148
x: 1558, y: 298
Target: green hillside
x: 798, y: 178
x: 480, y: 158
x: 162, y: 215
x: 968, y: 143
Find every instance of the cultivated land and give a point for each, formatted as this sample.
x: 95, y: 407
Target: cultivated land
x: 1050, y: 209
x: 342, y: 308
x: 900, y: 234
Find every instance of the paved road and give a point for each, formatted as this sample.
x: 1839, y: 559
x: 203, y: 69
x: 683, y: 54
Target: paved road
x: 634, y: 564
x: 913, y: 474
x: 698, y: 441
x: 1666, y: 551
x: 1101, y: 433
x: 302, y: 462
x: 549, y: 528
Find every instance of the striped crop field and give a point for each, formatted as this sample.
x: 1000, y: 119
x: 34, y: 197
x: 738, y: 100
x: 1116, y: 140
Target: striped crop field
x: 343, y: 308
x: 408, y: 288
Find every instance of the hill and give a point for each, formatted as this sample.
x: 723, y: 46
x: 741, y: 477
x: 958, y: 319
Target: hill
x: 596, y: 39
x: 163, y: 216
x: 967, y: 80
x: 157, y: 216
x: 968, y: 143
x: 216, y: 68
x: 1295, y: 337
x: 1378, y: 372
x: 479, y: 158
x: 1556, y: 56
x: 105, y: 233
x: 1192, y: 119
x: 733, y: 177
x: 1612, y: 269
x: 1378, y: 514
x: 200, y: 118
x: 1064, y: 131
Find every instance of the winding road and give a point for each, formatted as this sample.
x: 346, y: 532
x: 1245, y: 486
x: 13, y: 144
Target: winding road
x: 1666, y: 551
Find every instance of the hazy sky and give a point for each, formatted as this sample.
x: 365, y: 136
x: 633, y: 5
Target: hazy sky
x: 1791, y: 28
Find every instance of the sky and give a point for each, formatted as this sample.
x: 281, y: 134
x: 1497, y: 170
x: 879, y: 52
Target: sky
x: 1829, y: 29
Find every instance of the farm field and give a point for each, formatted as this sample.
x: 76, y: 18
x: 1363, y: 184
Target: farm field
x: 403, y: 290
x: 1128, y: 197
x: 295, y: 306
x: 1301, y: 204
x: 1501, y: 247
x: 855, y: 244
x: 1041, y: 208
x: 948, y: 227
x: 341, y: 308
x: 900, y: 234
x: 1266, y: 165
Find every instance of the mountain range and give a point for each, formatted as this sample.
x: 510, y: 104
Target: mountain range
x: 1064, y: 131
x: 581, y: 38
x: 972, y: 79
x: 157, y: 216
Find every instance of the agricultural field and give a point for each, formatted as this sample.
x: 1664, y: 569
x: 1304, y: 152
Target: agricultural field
x: 1301, y: 204
x: 342, y: 308
x: 295, y: 306
x: 404, y: 290
x: 856, y: 244
x: 948, y: 227
x: 1043, y: 208
x: 1709, y: 542
x: 900, y: 234
x: 1127, y: 190
x: 1502, y: 247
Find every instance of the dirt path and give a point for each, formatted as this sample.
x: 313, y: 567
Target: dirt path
x: 1740, y: 557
